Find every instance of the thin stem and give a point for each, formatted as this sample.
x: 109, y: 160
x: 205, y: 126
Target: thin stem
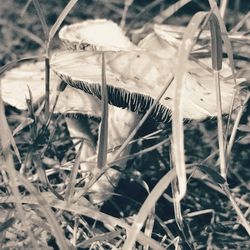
x: 236, y: 124
x: 223, y: 7
x: 223, y: 168
x: 47, y: 83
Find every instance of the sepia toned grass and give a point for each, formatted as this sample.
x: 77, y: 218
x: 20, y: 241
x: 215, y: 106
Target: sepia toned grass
x: 60, y: 208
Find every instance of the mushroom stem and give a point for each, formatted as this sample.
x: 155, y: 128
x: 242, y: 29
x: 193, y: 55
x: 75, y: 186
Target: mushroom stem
x: 79, y: 129
x: 121, y: 123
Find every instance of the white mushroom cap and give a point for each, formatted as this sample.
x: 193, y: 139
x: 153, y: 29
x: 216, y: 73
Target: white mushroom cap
x: 16, y: 83
x: 136, y: 78
x: 98, y: 34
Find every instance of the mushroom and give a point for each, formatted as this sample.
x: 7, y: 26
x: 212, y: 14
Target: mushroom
x: 72, y: 103
x: 135, y: 88
x: 135, y: 75
x: 103, y: 35
x: 16, y: 83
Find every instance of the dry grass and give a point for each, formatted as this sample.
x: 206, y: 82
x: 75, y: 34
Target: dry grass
x: 40, y: 201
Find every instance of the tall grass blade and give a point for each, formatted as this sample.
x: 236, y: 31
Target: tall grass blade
x: 26, y: 122
x: 142, y: 12
x: 8, y: 137
x: 42, y: 18
x: 238, y: 26
x: 177, y: 205
x: 224, y: 35
x: 149, y: 226
x: 61, y: 18
x: 102, y: 148
x: 223, y: 7
x: 217, y: 54
x: 47, y: 84
x: 146, y: 208
x: 229, y: 51
x: 185, y: 49
x: 51, y: 35
x: 215, y: 177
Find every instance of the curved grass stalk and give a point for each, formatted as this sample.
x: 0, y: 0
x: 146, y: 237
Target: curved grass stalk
x: 177, y: 116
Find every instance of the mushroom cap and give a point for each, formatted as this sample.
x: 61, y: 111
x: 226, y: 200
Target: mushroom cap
x: 136, y: 78
x: 98, y: 34
x: 157, y: 46
x: 15, y: 85
x: 16, y: 82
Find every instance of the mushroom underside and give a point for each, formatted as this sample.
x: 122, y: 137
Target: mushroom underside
x: 136, y: 87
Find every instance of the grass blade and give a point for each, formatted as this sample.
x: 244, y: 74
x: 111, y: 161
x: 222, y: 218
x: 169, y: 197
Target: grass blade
x: 229, y: 51
x: 177, y: 205
x: 219, y: 180
x: 216, y: 43
x: 127, y: 3
x: 223, y: 7
x: 224, y: 35
x: 47, y: 85
x: 26, y: 122
x: 42, y: 18
x: 185, y: 49
x: 73, y: 174
x: 61, y: 18
x: 6, y: 224
x: 26, y: 6
x: 102, y: 148
x: 146, y: 208
x: 217, y: 54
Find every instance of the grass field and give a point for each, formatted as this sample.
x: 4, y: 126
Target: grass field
x: 42, y: 200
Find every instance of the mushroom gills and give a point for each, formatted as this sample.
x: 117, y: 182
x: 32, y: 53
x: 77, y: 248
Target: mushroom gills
x: 136, y: 87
